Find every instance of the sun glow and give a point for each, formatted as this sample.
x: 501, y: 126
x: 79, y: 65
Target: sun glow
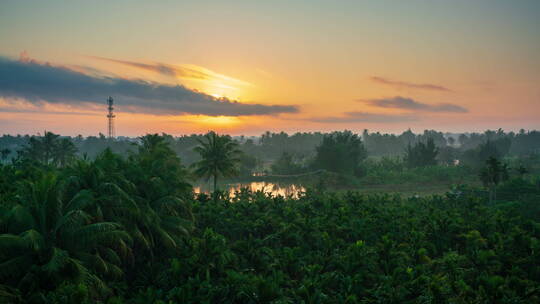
x: 211, y: 121
x: 218, y: 89
x: 218, y: 120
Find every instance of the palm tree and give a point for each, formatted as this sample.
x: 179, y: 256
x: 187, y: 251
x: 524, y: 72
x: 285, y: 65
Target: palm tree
x: 164, y: 217
x: 64, y: 152
x: 220, y: 157
x: 157, y: 169
x: 150, y: 214
x: 152, y: 142
x: 49, y: 143
x: 49, y: 238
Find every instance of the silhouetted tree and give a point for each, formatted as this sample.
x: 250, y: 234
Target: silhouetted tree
x: 421, y: 154
x: 64, y: 152
x: 48, y: 145
x: 340, y: 152
x: 219, y: 157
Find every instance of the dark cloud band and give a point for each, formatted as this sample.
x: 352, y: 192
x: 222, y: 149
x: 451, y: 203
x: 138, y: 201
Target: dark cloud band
x: 39, y: 83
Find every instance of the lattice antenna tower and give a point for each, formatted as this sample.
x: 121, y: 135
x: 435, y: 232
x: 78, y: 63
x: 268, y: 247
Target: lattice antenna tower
x: 111, y: 117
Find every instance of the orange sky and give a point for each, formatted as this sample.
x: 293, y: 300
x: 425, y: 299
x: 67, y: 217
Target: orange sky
x: 384, y: 66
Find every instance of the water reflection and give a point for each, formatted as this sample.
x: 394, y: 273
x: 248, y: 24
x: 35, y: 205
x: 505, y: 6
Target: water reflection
x: 272, y: 188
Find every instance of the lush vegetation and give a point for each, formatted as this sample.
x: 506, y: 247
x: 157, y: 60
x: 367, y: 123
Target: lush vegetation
x: 128, y: 228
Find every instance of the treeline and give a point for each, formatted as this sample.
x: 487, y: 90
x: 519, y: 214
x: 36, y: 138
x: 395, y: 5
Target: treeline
x: 423, y: 160
x: 129, y: 229
x: 270, y: 146
x: 347, y: 154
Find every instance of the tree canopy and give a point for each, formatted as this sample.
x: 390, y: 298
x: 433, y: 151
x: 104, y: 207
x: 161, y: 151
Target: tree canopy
x: 340, y: 152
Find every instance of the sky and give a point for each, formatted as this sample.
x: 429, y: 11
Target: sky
x: 245, y: 67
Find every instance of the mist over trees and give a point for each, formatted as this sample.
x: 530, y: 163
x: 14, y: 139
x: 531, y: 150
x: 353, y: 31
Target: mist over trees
x: 471, y: 148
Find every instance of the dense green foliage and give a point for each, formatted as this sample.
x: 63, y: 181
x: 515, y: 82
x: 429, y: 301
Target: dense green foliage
x: 377, y: 249
x: 90, y: 222
x: 129, y: 229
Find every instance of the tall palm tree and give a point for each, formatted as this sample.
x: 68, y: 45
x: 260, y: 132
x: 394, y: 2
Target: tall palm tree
x: 48, y: 144
x: 164, y: 216
x: 64, y: 152
x: 220, y: 157
x: 49, y: 238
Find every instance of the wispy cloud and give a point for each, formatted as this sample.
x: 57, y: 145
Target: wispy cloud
x: 38, y: 83
x: 40, y: 111
x: 352, y: 117
x: 404, y: 103
x: 410, y: 85
x: 185, y: 71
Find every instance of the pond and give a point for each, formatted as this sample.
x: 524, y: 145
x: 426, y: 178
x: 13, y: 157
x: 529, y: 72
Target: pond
x: 267, y: 187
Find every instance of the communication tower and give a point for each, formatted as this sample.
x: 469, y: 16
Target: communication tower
x: 111, y: 117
